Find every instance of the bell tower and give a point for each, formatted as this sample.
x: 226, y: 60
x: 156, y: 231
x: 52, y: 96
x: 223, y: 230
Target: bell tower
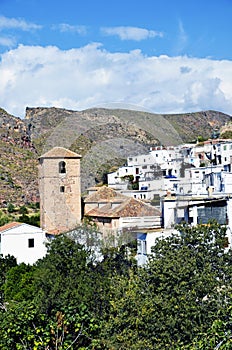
x: 60, y: 190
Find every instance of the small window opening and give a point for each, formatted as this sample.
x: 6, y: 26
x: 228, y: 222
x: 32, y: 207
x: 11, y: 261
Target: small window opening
x: 31, y: 243
x: 62, y: 167
x: 62, y: 189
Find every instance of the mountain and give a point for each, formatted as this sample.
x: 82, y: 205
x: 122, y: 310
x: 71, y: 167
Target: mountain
x: 104, y: 138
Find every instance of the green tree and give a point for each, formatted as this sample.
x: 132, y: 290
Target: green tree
x: 72, y: 300
x: 19, y: 285
x: 23, y: 210
x: 180, y: 293
x: 6, y: 263
x: 11, y: 208
x: 23, y: 327
x: 54, y: 299
x: 4, y: 219
x: 65, y: 281
x: 33, y: 219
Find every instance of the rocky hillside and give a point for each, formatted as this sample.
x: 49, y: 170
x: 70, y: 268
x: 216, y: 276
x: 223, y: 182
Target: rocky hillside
x: 104, y: 138
x: 18, y: 162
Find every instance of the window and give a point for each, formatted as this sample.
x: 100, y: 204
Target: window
x: 62, y: 167
x: 61, y: 189
x: 142, y: 247
x: 31, y: 243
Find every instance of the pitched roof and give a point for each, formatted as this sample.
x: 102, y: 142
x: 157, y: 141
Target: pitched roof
x: 10, y: 225
x: 104, y: 193
x: 118, y: 205
x: 60, y: 152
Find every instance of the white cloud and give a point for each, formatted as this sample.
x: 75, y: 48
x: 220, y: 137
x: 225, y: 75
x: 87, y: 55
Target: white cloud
x: 7, y: 41
x: 131, y: 33
x: 91, y: 76
x: 16, y: 23
x: 79, y: 29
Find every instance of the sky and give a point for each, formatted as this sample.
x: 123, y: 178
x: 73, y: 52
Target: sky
x: 162, y: 56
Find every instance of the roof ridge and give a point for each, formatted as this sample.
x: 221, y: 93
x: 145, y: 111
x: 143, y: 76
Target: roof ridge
x: 60, y: 152
x: 10, y: 225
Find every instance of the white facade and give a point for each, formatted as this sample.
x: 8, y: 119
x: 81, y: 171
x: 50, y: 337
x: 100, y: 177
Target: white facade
x: 162, y: 170
x: 141, y: 159
x: 149, y: 222
x: 25, y: 242
x: 165, y: 154
x: 116, y: 177
x: 204, y: 179
x: 216, y: 152
x: 149, y: 171
x: 145, y: 242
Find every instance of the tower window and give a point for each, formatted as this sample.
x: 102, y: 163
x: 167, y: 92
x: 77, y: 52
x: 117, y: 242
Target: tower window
x: 62, y: 167
x: 62, y: 189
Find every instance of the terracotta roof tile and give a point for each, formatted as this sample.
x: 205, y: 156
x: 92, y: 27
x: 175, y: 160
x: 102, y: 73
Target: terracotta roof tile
x: 105, y: 193
x: 130, y: 207
x: 10, y: 225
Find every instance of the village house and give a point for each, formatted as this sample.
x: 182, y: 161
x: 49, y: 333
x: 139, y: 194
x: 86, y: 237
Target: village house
x: 115, y: 213
x: 25, y: 242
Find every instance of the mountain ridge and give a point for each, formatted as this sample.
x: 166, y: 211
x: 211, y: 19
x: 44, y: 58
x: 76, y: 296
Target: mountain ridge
x: 104, y: 137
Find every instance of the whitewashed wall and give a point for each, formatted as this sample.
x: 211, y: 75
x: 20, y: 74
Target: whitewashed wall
x: 15, y: 241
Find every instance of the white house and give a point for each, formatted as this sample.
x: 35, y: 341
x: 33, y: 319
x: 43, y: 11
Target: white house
x: 213, y: 151
x: 199, y: 180
x: 147, y: 240
x: 114, y: 213
x: 25, y: 242
x: 193, y: 210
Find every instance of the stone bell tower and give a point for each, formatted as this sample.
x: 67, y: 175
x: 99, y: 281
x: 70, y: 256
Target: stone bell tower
x: 60, y: 190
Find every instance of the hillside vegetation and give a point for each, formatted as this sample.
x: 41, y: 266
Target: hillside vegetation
x: 104, y: 138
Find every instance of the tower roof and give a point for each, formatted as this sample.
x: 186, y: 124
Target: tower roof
x: 60, y: 152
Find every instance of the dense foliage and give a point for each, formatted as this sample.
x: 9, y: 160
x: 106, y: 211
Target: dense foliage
x: 69, y: 300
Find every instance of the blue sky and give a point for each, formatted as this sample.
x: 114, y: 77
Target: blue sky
x: 164, y: 56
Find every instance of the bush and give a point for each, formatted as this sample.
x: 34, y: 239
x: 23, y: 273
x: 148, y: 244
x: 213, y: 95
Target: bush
x: 10, y: 208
